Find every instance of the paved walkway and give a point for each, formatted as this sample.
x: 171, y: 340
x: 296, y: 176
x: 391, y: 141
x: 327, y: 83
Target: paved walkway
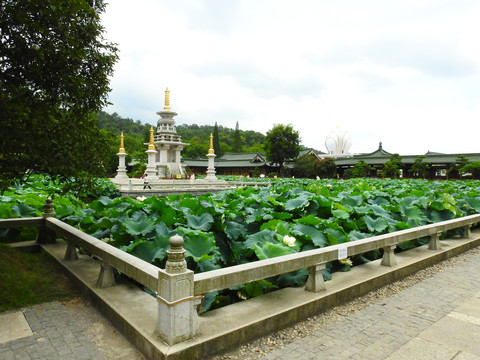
x: 45, y: 332
x: 438, y: 318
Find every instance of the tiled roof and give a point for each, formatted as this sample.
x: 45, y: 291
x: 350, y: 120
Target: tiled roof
x: 381, y: 156
x: 378, y: 157
x: 231, y: 160
x: 242, y: 157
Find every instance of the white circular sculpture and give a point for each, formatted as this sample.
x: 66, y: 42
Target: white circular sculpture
x: 338, y: 142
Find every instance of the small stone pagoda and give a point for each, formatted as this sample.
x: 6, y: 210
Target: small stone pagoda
x: 166, y: 146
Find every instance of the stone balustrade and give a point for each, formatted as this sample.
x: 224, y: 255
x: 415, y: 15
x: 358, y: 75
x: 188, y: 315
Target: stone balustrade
x: 185, y: 185
x: 135, y: 187
x: 312, y: 259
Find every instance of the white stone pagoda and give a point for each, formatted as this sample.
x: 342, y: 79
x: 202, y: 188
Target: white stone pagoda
x: 211, y: 165
x: 122, y: 169
x: 167, y: 144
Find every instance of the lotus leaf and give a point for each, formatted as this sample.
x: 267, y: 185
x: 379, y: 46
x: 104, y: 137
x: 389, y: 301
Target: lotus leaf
x: 376, y: 225
x: 269, y: 250
x: 201, y: 222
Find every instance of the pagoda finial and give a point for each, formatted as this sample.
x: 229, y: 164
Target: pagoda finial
x: 167, y: 99
x: 122, y: 149
x: 151, y: 145
x: 210, y: 150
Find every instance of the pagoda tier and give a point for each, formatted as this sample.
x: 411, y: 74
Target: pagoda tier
x: 168, y: 143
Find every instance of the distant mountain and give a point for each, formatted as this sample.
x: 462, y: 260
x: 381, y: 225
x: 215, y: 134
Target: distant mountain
x: 198, y: 136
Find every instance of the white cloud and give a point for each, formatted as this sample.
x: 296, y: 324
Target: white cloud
x: 404, y: 73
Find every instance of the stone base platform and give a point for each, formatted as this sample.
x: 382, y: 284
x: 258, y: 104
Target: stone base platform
x: 134, y: 312
x: 136, y: 187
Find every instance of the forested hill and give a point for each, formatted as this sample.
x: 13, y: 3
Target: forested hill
x: 198, y: 136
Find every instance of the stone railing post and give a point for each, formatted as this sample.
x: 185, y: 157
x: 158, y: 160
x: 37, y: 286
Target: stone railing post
x: 71, y: 252
x: 388, y: 258
x: 434, y: 243
x: 106, y: 277
x: 468, y: 231
x: 315, y: 281
x: 46, y: 235
x: 177, y: 316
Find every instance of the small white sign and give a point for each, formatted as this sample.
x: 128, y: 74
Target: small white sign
x: 342, y: 253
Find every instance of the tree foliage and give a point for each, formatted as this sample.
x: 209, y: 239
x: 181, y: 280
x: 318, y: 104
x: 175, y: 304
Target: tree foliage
x: 282, y: 143
x: 420, y: 168
x: 326, y: 168
x: 360, y: 169
x: 454, y: 172
x: 136, y: 134
x: 392, y: 166
x: 55, y: 67
x: 198, y: 136
x: 237, y: 140
x: 305, y: 166
x: 472, y: 168
x: 309, y: 166
x: 216, y: 141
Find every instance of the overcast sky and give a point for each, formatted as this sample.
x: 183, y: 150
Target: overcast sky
x: 406, y: 73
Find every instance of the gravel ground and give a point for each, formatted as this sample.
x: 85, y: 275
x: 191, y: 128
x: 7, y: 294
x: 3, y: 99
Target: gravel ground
x: 264, y: 345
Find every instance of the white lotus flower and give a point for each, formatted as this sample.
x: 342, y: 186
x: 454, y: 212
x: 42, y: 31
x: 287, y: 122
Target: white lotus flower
x: 346, y: 261
x: 140, y: 198
x: 289, y: 240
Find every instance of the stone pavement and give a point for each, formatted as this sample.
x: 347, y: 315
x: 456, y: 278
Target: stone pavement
x: 45, y: 332
x: 438, y: 318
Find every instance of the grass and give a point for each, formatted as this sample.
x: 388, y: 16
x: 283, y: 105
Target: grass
x: 28, y: 279
x: 12, y: 235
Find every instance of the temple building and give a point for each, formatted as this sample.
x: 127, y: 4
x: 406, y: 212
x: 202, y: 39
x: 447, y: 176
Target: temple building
x: 167, y: 144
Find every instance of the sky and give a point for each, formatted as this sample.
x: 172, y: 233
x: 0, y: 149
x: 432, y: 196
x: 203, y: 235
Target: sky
x: 404, y: 73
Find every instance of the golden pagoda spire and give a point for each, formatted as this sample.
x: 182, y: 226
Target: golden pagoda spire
x: 167, y: 99
x: 210, y: 151
x: 122, y: 149
x: 151, y: 145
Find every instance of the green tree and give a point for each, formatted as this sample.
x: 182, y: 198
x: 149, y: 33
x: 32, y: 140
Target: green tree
x: 420, y: 168
x: 55, y: 67
x: 473, y: 168
x: 282, y: 143
x: 453, y: 172
x: 392, y: 167
x: 216, y: 141
x: 305, y: 166
x: 196, y: 149
x: 252, y: 141
x: 325, y: 168
x: 237, y: 140
x: 360, y: 169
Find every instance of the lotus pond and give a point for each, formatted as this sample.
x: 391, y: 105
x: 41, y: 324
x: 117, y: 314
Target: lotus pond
x: 247, y: 224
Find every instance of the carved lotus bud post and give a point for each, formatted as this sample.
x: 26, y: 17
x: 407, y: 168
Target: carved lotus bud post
x: 177, y: 316
x: 46, y: 235
x: 176, y: 256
